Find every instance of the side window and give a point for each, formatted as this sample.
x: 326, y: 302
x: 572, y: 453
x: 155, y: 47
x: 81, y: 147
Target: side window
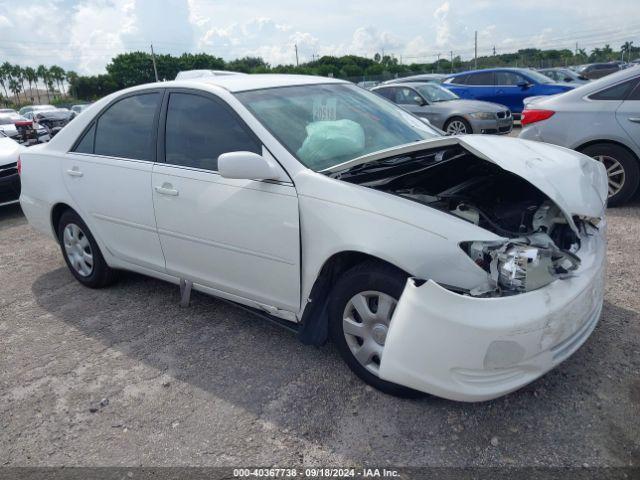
x: 388, y: 93
x: 508, y: 78
x: 461, y: 80
x: 480, y: 78
x: 200, y: 129
x: 617, y: 92
x: 126, y: 129
x: 635, y: 95
x: 86, y: 144
x: 406, y: 96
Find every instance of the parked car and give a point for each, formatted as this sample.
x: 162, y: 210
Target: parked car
x: 8, y: 111
x: 368, y: 84
x: 598, y: 70
x: 35, y: 108
x: 506, y: 86
x: 446, y: 111
x: 424, y: 77
x: 22, y: 130
x: 567, y: 75
x: 9, y: 178
x: 464, y: 267
x: 77, y: 110
x: 192, y: 74
x: 601, y: 120
x: 53, y: 120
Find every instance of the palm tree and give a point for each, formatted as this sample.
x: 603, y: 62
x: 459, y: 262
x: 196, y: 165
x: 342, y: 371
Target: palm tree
x: 32, y: 77
x: 626, y: 48
x: 4, y: 80
x: 19, y: 76
x: 57, y: 74
x: 72, y: 78
x: 14, y: 86
x: 43, y: 73
x: 5, y: 73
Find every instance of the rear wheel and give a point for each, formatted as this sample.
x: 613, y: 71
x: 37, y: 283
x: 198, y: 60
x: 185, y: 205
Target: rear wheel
x: 81, y: 252
x: 457, y: 126
x: 623, y: 172
x: 361, y: 306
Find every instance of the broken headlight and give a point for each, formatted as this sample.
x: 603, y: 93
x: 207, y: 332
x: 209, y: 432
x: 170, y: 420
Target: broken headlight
x: 520, y: 264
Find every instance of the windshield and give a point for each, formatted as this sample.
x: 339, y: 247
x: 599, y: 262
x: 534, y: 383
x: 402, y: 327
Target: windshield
x: 538, y: 77
x: 325, y: 125
x: 435, y: 93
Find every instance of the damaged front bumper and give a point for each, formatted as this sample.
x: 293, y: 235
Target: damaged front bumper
x: 472, y: 349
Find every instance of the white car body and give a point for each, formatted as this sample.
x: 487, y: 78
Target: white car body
x: 271, y: 239
x: 9, y: 153
x: 195, y: 74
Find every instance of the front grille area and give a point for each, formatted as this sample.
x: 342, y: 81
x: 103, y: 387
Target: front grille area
x: 504, y: 114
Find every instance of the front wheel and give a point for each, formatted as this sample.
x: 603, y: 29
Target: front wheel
x: 623, y: 173
x: 457, y: 126
x: 361, y: 306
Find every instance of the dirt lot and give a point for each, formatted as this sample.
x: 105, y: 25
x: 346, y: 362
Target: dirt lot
x: 124, y: 376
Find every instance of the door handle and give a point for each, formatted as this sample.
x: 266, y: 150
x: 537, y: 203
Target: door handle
x: 166, y: 189
x: 74, y: 172
x: 634, y: 119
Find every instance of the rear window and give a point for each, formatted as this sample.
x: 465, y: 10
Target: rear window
x: 481, y: 78
x: 617, y: 92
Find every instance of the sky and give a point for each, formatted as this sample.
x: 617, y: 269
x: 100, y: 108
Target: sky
x: 83, y: 35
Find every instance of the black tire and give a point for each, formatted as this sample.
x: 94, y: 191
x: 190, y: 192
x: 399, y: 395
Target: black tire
x: 466, y: 124
x: 367, y: 276
x: 629, y: 164
x: 101, y: 274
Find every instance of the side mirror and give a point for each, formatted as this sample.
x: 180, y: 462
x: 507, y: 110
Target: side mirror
x: 568, y: 79
x: 524, y: 84
x: 246, y: 166
x: 418, y: 100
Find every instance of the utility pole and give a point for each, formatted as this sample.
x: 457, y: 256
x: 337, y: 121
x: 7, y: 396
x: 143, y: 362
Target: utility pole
x: 155, y: 69
x: 296, y: 47
x: 451, y: 62
x: 494, y: 50
x: 438, y: 63
x: 475, y: 54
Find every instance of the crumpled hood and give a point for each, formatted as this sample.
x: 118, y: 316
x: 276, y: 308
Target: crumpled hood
x: 575, y: 182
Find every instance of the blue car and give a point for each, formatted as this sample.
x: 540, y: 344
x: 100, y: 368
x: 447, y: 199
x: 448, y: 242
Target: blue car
x: 506, y: 86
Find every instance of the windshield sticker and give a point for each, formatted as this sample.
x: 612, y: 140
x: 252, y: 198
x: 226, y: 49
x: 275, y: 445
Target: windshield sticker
x: 324, y: 109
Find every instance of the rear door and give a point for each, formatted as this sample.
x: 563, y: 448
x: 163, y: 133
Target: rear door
x: 480, y: 86
x: 508, y: 92
x: 108, y: 175
x: 238, y: 237
x: 628, y: 114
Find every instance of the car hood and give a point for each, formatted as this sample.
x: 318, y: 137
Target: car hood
x: 9, y: 151
x: 467, y: 106
x: 575, y: 182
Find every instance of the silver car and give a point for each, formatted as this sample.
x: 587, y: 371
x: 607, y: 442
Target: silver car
x: 445, y: 110
x: 600, y: 119
x: 423, y: 77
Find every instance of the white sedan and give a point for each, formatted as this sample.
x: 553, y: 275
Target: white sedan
x: 464, y: 267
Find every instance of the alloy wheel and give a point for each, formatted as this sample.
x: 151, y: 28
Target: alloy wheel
x: 78, y: 249
x: 456, y: 127
x: 615, y: 173
x: 365, y: 323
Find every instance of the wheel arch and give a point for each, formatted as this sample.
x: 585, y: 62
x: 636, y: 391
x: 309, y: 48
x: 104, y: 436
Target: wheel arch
x: 56, y: 213
x: 314, y: 328
x: 617, y: 143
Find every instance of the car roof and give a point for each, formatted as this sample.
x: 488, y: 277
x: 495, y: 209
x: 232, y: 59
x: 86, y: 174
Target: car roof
x: 505, y: 69
x: 256, y: 81
x: 405, y: 85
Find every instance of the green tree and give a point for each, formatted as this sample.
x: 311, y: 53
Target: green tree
x: 57, y: 75
x: 32, y: 77
x: 5, y: 76
x: 43, y: 73
x: 14, y: 86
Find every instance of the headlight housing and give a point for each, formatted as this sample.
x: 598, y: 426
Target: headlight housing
x: 521, y: 264
x: 483, y: 115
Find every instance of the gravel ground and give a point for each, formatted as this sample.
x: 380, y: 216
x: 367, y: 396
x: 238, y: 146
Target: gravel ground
x: 124, y: 376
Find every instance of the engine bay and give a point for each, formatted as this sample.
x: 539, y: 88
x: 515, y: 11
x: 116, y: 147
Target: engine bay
x: 541, y: 244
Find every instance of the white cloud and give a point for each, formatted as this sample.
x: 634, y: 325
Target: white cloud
x: 443, y: 29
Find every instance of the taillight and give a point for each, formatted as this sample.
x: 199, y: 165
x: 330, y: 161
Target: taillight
x: 19, y: 165
x: 532, y: 116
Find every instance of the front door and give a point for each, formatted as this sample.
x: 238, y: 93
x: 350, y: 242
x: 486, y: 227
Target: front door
x: 239, y: 237
x: 108, y: 174
x: 628, y: 114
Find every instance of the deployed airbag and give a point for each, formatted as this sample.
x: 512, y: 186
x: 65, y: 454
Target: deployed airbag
x: 328, y: 139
